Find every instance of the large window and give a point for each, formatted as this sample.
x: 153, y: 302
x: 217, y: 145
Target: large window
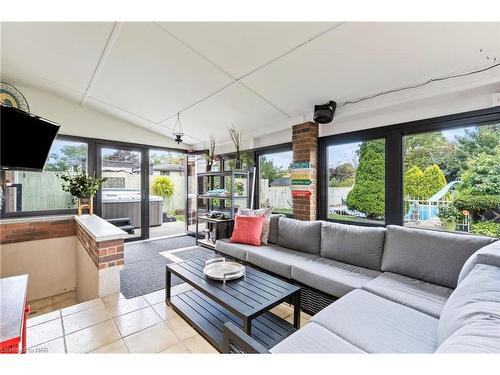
x: 451, y: 179
x: 356, y: 181
x: 39, y: 191
x: 275, y: 183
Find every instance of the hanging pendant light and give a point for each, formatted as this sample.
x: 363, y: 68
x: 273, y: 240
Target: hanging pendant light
x: 177, y: 131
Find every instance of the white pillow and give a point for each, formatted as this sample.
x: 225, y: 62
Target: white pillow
x: 267, y: 219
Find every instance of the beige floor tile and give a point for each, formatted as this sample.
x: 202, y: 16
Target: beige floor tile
x: 82, y: 306
x: 155, y: 297
x: 65, y: 303
x: 197, y: 344
x: 44, y: 332
x: 303, y: 320
x: 181, y: 328
x: 151, y: 340
x: 91, y: 338
x: 41, y: 303
x: 42, y: 318
x: 122, y: 306
x: 164, y: 311
x: 113, y: 297
x: 117, y: 347
x: 64, y: 296
x: 283, y: 310
x: 85, y: 318
x: 179, y: 348
x: 51, y: 347
x: 136, y: 321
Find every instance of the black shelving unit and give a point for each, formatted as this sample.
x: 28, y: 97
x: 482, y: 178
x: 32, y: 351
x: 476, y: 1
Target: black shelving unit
x: 226, y: 203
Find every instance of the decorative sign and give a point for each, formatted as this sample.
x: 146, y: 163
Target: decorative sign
x: 301, y: 165
x: 302, y: 182
x: 300, y: 176
x: 301, y: 193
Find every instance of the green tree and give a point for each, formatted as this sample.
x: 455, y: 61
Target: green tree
x: 124, y: 155
x: 71, y: 158
x: 425, y: 149
x: 368, y: 193
x: 414, y: 182
x: 482, y: 176
x: 342, y: 175
x: 433, y: 180
x: 158, y: 158
x: 479, y: 140
x: 270, y: 171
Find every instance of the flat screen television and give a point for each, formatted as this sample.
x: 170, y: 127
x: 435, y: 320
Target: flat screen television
x: 25, y: 140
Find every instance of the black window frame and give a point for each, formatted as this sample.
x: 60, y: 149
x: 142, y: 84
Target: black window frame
x: 393, y: 135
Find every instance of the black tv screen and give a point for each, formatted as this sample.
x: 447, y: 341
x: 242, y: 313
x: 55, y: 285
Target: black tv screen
x: 25, y: 140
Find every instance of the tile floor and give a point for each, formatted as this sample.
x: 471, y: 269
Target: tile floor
x: 114, y: 324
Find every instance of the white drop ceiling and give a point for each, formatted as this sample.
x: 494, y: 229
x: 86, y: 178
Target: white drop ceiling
x: 253, y: 75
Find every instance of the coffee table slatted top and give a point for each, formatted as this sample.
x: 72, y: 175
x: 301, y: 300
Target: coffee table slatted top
x: 246, y: 297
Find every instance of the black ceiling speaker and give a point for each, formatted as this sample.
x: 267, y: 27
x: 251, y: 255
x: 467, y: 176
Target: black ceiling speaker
x: 323, y: 113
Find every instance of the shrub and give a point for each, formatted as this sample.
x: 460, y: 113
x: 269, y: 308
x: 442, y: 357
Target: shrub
x: 487, y: 228
x: 483, y: 175
x: 414, y: 182
x: 475, y: 203
x: 163, y: 186
x: 368, y: 193
x: 433, y: 180
x: 449, y: 213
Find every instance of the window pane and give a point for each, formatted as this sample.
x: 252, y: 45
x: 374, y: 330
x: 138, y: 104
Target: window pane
x: 452, y: 179
x: 356, y: 181
x: 36, y: 191
x: 275, y: 183
x: 167, y: 183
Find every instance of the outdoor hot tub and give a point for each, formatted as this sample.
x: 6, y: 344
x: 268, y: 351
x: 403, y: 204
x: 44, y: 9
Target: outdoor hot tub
x: 118, y: 203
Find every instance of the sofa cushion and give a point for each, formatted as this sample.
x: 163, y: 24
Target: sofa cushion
x: 332, y: 277
x: 480, y: 336
x: 264, y: 237
x: 417, y: 294
x: 432, y: 256
x: 277, y: 259
x: 377, y: 325
x: 489, y: 254
x: 273, y: 228
x: 232, y: 249
x: 299, y: 235
x: 314, y: 338
x: 360, y: 246
x: 477, y: 297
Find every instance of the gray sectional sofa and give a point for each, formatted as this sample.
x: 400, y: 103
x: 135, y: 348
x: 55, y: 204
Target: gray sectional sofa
x: 398, y: 290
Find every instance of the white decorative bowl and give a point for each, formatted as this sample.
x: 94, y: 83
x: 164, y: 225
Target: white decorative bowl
x: 222, y: 270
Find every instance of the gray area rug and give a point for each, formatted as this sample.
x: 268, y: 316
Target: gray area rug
x: 144, y: 269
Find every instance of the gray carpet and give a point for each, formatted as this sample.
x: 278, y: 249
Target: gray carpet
x: 144, y: 270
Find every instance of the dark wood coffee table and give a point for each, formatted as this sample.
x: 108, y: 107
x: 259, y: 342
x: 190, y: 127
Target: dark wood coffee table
x: 245, y: 302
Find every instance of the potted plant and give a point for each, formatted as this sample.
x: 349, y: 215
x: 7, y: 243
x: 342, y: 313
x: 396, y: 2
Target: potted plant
x: 236, y: 136
x: 210, y: 157
x: 449, y: 216
x: 82, y: 188
x: 165, y: 188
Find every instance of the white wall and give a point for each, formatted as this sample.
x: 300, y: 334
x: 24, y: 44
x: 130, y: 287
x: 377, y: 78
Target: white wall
x: 433, y: 100
x: 80, y: 121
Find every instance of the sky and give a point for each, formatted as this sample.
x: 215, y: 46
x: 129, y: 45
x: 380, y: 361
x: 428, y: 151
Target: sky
x: 280, y: 159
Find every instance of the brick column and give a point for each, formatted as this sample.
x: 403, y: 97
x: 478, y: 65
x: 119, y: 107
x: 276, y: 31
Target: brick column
x: 305, y: 149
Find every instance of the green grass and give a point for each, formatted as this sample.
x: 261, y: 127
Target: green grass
x: 285, y: 211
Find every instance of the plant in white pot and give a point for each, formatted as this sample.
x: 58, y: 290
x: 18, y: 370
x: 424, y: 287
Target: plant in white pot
x: 449, y: 216
x: 164, y: 187
x: 82, y: 188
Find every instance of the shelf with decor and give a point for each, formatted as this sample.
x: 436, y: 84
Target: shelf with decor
x: 219, y: 196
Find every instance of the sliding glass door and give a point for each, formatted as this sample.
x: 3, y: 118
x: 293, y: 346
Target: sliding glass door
x: 123, y: 199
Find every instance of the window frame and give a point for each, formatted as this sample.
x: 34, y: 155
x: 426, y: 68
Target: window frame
x: 393, y: 135
x: 92, y: 164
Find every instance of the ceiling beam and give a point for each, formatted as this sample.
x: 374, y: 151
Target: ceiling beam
x: 102, y: 59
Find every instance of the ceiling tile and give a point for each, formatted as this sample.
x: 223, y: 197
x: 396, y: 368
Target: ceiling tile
x: 240, y: 47
x: 234, y: 105
x: 359, y: 59
x: 152, y: 75
x: 63, y: 52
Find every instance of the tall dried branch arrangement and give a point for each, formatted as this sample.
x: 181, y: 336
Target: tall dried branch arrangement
x: 211, y: 151
x: 236, y: 136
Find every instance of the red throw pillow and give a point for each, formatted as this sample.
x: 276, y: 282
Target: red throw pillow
x: 248, y: 229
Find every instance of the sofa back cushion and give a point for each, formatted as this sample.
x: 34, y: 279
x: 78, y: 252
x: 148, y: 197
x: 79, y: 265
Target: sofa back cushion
x: 273, y: 228
x: 477, y: 297
x: 356, y: 245
x: 299, y: 235
x: 489, y: 254
x: 432, y: 256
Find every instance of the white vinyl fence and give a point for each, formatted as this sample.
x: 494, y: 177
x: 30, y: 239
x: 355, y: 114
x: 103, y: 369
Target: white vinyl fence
x: 275, y: 196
